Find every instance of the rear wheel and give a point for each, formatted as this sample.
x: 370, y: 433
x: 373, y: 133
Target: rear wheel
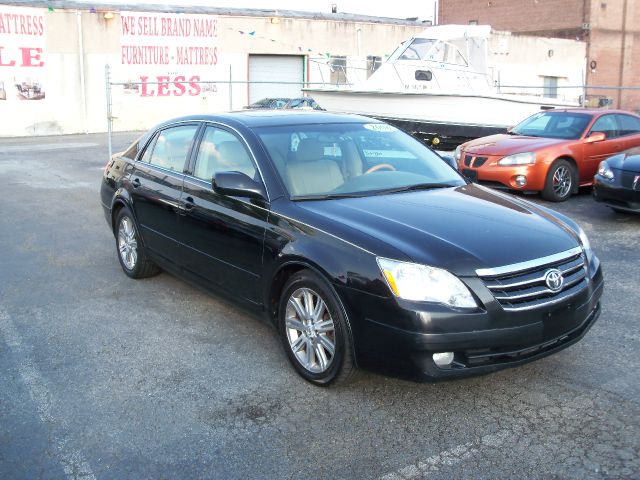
x: 561, y: 181
x: 133, y: 258
x: 314, y: 330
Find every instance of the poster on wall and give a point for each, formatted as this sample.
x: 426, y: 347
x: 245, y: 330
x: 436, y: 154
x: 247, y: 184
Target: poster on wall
x: 22, y: 53
x: 167, y: 54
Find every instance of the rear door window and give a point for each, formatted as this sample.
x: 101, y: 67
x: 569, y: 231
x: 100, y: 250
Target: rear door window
x: 628, y: 125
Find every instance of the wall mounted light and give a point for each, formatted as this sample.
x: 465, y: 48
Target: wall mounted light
x: 108, y: 15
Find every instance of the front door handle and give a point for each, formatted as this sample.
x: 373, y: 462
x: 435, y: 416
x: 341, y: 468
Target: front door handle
x: 189, y: 204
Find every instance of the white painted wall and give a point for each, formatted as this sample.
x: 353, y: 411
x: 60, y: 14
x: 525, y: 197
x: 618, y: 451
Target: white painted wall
x: 97, y: 42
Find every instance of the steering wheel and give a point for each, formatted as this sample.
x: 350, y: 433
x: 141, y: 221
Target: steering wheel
x: 381, y: 166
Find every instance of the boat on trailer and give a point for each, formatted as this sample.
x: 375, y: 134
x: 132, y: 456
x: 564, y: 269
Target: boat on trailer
x: 437, y: 86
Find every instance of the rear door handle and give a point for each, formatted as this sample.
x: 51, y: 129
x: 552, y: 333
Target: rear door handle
x: 136, y: 183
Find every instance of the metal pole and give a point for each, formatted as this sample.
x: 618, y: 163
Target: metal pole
x: 83, y: 91
x: 109, y: 117
x: 230, y: 90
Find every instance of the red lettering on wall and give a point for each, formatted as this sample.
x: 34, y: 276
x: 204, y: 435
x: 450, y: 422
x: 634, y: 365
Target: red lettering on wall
x: 8, y: 64
x: 29, y: 57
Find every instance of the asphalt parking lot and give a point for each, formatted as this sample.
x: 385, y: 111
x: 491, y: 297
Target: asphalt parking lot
x: 106, y: 377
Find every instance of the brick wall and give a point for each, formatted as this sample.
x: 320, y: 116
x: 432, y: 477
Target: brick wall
x: 561, y: 18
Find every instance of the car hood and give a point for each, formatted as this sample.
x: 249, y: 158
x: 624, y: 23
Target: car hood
x: 460, y: 229
x: 502, y: 144
x: 628, y: 160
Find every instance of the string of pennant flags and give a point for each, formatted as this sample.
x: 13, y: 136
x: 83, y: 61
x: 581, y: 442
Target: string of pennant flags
x: 253, y: 34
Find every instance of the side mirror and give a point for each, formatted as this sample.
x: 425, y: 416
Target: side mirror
x: 450, y: 160
x: 595, y: 137
x: 237, y: 184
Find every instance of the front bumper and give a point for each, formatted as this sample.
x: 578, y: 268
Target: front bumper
x: 613, y: 194
x: 482, y: 342
x: 497, y: 176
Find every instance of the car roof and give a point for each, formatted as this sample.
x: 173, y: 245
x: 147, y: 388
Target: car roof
x: 275, y: 118
x: 589, y: 111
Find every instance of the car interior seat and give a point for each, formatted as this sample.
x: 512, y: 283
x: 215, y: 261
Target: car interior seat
x: 309, y: 173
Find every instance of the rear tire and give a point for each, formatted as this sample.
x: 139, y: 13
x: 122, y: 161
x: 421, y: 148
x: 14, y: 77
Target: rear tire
x: 561, y: 181
x: 314, y: 330
x: 131, y: 254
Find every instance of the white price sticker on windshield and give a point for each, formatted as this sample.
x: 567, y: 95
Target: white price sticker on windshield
x: 380, y: 127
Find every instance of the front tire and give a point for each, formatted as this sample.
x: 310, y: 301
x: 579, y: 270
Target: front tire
x: 314, y: 330
x: 560, y: 183
x: 131, y: 254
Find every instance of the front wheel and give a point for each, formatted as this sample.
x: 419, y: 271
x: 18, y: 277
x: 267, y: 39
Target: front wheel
x: 314, y: 330
x: 560, y: 183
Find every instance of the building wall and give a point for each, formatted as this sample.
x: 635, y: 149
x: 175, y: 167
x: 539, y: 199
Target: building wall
x: 614, y: 46
x: 611, y: 29
x: 524, y: 61
x: 557, y: 18
x: 66, y: 73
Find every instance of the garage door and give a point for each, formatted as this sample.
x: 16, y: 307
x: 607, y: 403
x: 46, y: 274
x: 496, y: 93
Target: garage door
x: 275, y: 68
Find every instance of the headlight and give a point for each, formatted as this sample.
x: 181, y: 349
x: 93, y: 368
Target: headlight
x: 604, y: 170
x: 457, y: 153
x: 527, y: 158
x: 586, y: 245
x: 416, y: 282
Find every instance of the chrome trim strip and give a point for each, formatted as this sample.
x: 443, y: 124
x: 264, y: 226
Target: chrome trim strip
x: 505, y: 286
x: 542, y: 291
x: 555, y: 300
x: 538, y: 262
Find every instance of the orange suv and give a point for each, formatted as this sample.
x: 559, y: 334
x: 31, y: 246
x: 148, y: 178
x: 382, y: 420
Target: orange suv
x: 553, y: 152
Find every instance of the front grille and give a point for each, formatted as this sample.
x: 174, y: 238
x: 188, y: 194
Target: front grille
x: 523, y: 287
x: 626, y: 179
x: 479, y: 161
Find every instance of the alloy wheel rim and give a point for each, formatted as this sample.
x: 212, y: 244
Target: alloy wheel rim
x: 310, y: 330
x: 127, y: 243
x: 562, y: 181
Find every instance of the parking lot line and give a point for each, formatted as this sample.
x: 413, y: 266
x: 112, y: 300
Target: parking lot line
x: 72, y: 460
x: 449, y: 457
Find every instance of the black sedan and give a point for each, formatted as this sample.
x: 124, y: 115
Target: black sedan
x: 356, y: 241
x: 617, y: 183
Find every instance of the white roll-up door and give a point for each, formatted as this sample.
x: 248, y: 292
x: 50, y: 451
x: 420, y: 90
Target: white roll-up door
x: 275, y: 68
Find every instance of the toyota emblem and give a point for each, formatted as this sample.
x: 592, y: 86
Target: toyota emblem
x: 554, y: 279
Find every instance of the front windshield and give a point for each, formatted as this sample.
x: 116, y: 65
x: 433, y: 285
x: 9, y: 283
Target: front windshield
x: 353, y: 159
x: 565, y: 125
x: 418, y: 49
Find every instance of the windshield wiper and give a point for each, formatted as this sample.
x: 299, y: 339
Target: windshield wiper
x: 411, y: 188
x: 328, y: 196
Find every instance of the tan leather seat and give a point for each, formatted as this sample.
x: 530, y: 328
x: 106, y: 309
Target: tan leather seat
x: 351, y: 161
x: 310, y: 174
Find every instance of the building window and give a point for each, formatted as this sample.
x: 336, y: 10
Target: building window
x: 550, y: 87
x: 373, y: 63
x: 338, y: 66
x: 473, y: 22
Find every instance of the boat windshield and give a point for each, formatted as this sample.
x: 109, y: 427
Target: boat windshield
x: 322, y: 161
x: 417, y: 49
x: 565, y: 125
x: 426, y: 49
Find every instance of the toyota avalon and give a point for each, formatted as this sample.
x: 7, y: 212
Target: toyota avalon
x: 359, y: 244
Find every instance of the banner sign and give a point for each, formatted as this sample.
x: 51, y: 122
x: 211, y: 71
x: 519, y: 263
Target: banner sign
x: 174, y: 49
x: 22, y: 53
